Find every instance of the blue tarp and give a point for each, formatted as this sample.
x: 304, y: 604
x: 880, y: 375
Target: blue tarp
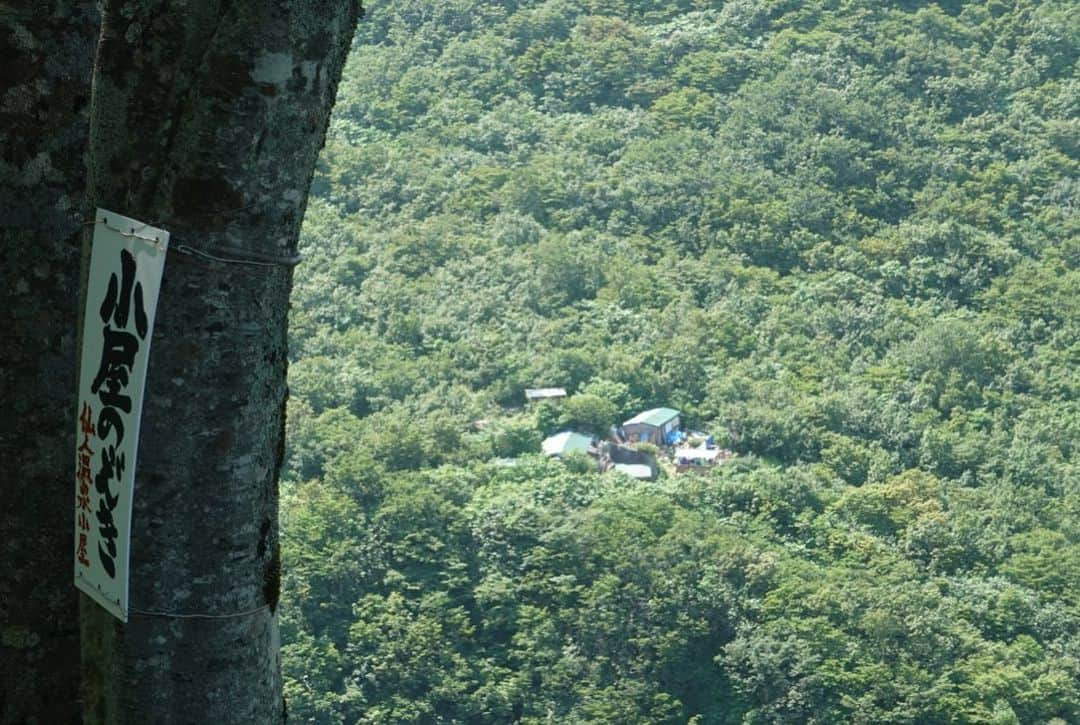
x: 675, y: 437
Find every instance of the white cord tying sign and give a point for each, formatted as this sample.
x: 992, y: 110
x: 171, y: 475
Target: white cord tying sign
x: 126, y: 263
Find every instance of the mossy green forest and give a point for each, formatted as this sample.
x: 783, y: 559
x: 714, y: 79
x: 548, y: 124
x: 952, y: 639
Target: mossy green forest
x: 839, y: 236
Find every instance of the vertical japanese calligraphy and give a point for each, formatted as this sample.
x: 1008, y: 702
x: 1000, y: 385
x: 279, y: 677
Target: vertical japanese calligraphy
x: 126, y: 264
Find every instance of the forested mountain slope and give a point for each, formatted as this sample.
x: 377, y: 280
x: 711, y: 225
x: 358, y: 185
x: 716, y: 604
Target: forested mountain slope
x: 841, y: 236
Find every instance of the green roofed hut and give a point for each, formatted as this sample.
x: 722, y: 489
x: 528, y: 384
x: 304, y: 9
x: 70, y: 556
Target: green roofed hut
x: 565, y: 443
x: 652, y: 426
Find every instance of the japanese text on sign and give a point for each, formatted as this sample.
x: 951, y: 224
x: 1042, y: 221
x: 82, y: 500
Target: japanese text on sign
x: 125, y: 274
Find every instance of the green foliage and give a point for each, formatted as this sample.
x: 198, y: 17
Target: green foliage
x: 588, y: 413
x: 840, y: 237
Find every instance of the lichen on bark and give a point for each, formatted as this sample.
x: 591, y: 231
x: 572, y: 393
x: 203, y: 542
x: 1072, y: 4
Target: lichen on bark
x: 47, y: 52
x: 208, y: 122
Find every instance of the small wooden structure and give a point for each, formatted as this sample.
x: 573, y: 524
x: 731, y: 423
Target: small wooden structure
x: 536, y: 395
x: 652, y: 426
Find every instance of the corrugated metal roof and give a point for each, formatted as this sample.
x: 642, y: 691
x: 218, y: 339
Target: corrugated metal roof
x: 566, y: 442
x: 655, y: 417
x: 541, y: 393
x: 634, y: 470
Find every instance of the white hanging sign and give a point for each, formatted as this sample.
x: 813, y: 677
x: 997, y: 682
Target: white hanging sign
x: 126, y: 263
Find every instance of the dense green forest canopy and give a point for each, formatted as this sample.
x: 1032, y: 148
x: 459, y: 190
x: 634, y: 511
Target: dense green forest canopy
x: 841, y: 236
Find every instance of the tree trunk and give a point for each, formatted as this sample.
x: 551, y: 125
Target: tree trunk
x: 206, y: 121
x: 46, y: 53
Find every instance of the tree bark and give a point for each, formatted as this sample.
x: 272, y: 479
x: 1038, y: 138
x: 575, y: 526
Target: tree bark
x: 207, y: 119
x: 46, y: 53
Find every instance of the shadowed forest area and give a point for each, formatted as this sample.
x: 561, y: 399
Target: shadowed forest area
x: 839, y: 236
